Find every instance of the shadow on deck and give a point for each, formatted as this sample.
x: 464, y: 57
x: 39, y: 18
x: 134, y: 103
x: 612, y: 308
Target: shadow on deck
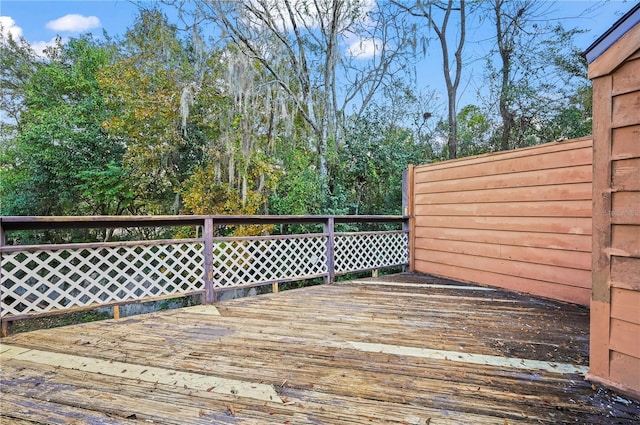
x: 405, y: 349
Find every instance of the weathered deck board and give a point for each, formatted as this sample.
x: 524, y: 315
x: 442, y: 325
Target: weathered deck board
x: 316, y: 347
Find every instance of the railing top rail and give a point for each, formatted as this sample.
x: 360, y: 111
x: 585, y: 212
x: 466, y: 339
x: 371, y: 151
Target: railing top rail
x: 9, y: 223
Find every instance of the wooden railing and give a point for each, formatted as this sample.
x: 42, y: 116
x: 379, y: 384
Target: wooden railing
x: 40, y: 280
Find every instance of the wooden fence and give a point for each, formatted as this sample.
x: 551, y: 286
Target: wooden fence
x: 47, y: 279
x: 615, y: 304
x: 519, y: 220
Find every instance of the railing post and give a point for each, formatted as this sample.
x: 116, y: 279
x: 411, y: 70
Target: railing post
x: 408, y: 202
x: 406, y: 228
x: 5, y: 325
x: 207, y: 234
x: 329, y: 231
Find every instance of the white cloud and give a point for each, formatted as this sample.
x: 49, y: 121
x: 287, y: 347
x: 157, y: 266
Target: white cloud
x: 9, y: 27
x: 40, y: 46
x: 74, y: 23
x: 365, y: 48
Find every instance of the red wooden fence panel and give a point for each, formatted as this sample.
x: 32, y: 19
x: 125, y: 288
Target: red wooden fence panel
x: 519, y: 220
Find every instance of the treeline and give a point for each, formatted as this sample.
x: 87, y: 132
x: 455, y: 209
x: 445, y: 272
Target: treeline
x: 274, y: 116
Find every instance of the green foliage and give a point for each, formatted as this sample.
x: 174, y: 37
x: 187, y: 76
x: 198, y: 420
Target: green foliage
x: 33, y: 324
x: 18, y: 62
x: 60, y: 135
x: 202, y: 197
x: 473, y: 131
x: 143, y: 86
x: 534, y: 77
x: 369, y: 166
x: 107, y: 191
x: 298, y: 189
x: 156, y: 122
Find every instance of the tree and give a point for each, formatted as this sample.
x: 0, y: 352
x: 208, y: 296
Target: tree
x: 18, y: 63
x: 379, y: 145
x: 533, y: 74
x: 60, y: 137
x: 299, y: 44
x: 439, y: 22
x: 150, y: 86
x: 473, y: 131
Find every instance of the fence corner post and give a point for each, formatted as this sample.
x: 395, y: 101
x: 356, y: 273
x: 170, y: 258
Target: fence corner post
x: 207, y: 234
x: 329, y: 231
x: 408, y: 223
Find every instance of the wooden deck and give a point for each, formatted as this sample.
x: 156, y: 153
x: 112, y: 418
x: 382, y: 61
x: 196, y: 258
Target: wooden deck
x: 404, y: 349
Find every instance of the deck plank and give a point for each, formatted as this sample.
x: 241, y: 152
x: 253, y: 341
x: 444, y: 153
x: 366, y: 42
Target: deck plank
x: 325, y: 352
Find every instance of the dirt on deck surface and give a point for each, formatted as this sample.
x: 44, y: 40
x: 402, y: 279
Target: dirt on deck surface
x: 400, y: 349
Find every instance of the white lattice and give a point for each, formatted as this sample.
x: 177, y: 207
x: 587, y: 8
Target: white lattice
x: 238, y: 262
x: 40, y: 281
x: 366, y: 251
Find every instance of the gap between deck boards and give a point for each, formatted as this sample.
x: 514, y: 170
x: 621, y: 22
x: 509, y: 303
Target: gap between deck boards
x: 454, y: 356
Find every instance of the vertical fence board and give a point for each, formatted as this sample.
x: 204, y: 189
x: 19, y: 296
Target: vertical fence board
x: 615, y: 332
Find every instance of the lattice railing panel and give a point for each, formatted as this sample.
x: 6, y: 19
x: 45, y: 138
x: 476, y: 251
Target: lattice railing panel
x: 46, y: 280
x: 366, y: 251
x: 238, y: 262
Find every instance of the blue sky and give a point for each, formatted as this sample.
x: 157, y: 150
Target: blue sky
x: 35, y: 19
x: 32, y: 16
x: 39, y: 22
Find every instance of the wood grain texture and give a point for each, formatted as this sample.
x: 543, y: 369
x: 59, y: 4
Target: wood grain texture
x: 625, y: 272
x: 625, y: 370
x: 626, y: 78
x: 624, y: 305
x: 554, y: 290
x: 305, y: 343
x: 540, y: 240
x: 625, y: 337
x: 581, y: 208
x: 625, y: 208
x: 524, y: 213
x: 625, y: 240
x: 600, y: 292
x: 615, y: 332
x: 551, y: 192
x: 565, y: 225
x: 566, y: 145
x: 539, y: 272
x: 626, y: 47
x: 626, y: 174
x: 553, y: 257
x: 626, y: 143
x: 576, y: 174
x: 626, y: 109
x: 549, y: 160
